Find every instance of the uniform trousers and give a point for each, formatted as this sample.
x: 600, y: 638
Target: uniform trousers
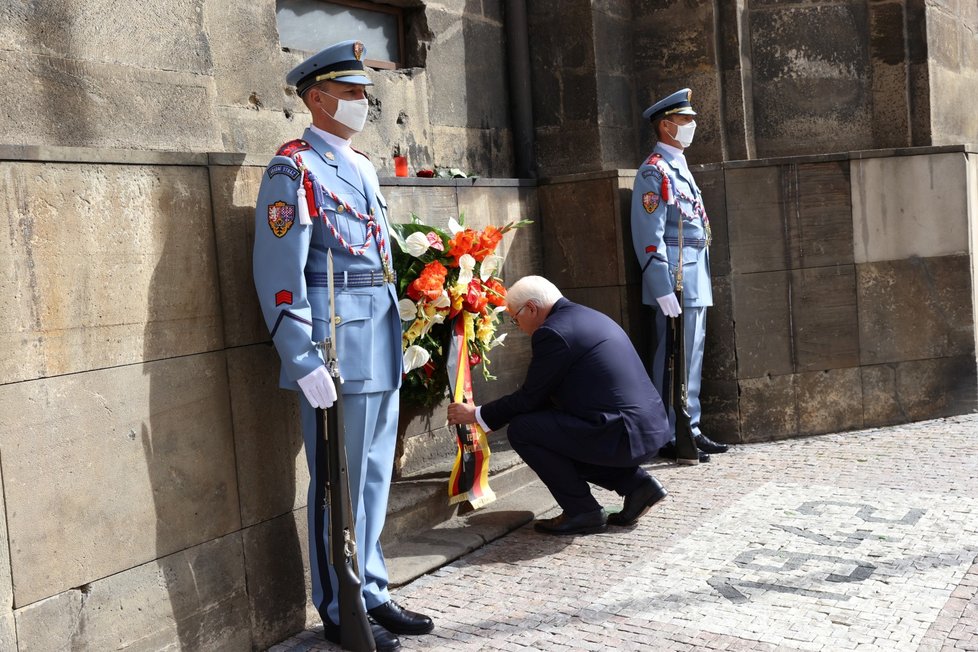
x: 694, y: 322
x: 567, y: 452
x: 370, y: 429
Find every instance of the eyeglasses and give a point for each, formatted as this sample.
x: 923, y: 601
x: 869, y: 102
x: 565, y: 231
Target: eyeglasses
x: 517, y: 314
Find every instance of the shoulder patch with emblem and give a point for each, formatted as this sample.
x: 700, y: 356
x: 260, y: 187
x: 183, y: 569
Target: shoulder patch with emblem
x: 281, y: 217
x: 282, y: 168
x: 650, y: 201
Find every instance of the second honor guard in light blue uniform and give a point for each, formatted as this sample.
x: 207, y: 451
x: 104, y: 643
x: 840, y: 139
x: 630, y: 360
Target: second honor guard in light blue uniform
x: 319, y: 195
x: 664, y: 194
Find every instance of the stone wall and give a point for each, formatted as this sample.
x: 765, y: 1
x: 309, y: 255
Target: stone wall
x: 152, y: 474
x: 209, y: 76
x: 843, y: 285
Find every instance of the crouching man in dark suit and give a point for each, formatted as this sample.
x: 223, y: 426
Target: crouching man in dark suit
x: 587, y: 411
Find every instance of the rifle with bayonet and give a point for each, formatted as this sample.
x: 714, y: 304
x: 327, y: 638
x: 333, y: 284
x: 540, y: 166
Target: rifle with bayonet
x: 355, y: 633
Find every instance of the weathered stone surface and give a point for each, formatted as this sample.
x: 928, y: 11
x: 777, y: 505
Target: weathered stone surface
x: 192, y: 600
x: 761, y: 312
x: 270, y: 460
x: 768, y: 408
x: 829, y: 401
x: 107, y: 32
x: 433, y: 204
x: 720, y: 402
x: 104, y: 265
x: 720, y: 350
x: 711, y: 183
x: 8, y: 632
x: 143, y: 458
x: 919, y: 389
x: 916, y: 308
x: 72, y: 102
x: 755, y: 225
x: 905, y: 206
x: 580, y: 219
x: 824, y: 327
x: 276, y: 558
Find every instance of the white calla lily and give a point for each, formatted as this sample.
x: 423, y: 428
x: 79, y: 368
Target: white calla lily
x: 453, y: 226
x: 443, y: 301
x: 498, y: 341
x: 407, y: 309
x: 490, y: 264
x: 417, y: 243
x: 437, y: 318
x: 466, y: 265
x: 414, y: 357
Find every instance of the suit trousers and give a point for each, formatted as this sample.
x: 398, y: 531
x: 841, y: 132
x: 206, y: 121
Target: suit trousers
x: 370, y: 429
x: 567, y: 452
x: 694, y: 322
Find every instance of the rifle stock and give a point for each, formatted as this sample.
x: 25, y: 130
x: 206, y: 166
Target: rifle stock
x: 355, y: 631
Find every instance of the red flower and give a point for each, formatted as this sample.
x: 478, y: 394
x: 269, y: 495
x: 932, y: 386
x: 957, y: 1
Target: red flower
x: 475, y: 299
x: 474, y: 359
x: 426, y: 173
x: 489, y: 239
x: 430, y: 282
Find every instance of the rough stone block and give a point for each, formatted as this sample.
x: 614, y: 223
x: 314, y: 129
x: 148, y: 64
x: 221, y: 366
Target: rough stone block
x: 8, y: 632
x: 824, y: 324
x: 433, y: 204
x: 755, y: 224
x: 920, y: 389
x: 75, y: 103
x: 192, y: 600
x: 104, y: 265
x: 720, y: 402
x: 271, y: 463
x: 144, y: 459
x: 819, y: 214
x: 829, y: 401
x: 720, y: 350
x: 761, y: 312
x: 915, y: 309
x: 234, y: 191
x: 567, y: 149
x: 768, y: 408
x: 580, y: 219
x: 276, y: 563
x: 898, y: 201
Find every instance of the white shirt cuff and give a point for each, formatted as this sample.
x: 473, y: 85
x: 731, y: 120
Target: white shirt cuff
x: 478, y: 417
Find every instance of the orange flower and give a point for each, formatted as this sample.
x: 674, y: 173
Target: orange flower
x: 475, y: 299
x: 461, y: 244
x: 430, y: 282
x: 495, y: 292
x: 489, y: 239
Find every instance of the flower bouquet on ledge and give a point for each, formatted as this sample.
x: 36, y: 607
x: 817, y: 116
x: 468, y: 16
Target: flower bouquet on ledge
x: 450, y: 303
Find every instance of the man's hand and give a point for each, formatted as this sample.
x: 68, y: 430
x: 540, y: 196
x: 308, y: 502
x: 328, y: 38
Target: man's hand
x: 463, y: 413
x: 318, y: 388
x: 669, y: 305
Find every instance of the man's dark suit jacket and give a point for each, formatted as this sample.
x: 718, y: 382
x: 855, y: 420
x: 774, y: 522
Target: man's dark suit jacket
x: 583, y: 364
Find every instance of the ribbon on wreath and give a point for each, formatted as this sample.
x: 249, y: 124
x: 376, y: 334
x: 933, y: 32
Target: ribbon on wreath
x: 470, y: 473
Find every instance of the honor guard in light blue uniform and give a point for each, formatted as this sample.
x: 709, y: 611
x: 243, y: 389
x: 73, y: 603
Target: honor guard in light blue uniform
x: 664, y: 195
x: 318, y: 194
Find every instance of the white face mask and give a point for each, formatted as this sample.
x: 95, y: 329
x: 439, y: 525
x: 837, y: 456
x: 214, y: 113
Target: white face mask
x: 350, y: 113
x: 684, y: 133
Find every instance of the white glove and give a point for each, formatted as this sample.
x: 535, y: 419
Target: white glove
x: 318, y: 388
x: 669, y: 305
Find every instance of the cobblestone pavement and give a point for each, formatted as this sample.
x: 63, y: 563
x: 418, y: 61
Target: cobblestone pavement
x: 854, y: 541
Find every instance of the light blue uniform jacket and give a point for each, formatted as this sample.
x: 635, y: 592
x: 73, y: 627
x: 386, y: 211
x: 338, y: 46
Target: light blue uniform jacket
x: 654, y: 222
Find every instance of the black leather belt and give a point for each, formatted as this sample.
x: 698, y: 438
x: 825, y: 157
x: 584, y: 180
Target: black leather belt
x: 347, y: 279
x: 698, y: 243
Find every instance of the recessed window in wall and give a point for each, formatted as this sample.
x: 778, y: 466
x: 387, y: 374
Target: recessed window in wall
x: 311, y: 25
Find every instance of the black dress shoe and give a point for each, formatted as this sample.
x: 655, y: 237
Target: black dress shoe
x: 383, y: 639
x: 669, y: 452
x: 399, y: 620
x: 586, y: 523
x: 637, y: 502
x: 707, y: 445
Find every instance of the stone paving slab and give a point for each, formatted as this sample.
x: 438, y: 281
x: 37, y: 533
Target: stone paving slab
x: 856, y: 541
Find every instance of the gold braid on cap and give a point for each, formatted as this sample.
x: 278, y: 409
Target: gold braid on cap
x: 339, y: 73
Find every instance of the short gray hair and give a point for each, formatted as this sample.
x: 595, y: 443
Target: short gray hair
x: 537, y: 289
